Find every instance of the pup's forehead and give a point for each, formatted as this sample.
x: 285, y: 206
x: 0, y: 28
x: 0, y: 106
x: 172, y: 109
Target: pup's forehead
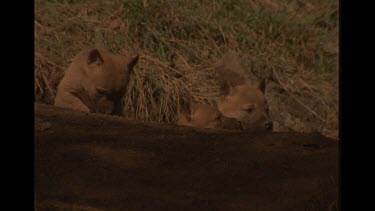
x: 249, y: 94
x: 115, y: 63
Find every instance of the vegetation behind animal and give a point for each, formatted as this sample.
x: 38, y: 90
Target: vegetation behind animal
x: 293, y: 43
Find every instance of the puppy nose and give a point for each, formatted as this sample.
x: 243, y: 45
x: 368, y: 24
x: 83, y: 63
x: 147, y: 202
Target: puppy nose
x: 268, y: 126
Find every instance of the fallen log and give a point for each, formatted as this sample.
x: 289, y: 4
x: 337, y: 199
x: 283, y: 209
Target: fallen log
x: 99, y: 162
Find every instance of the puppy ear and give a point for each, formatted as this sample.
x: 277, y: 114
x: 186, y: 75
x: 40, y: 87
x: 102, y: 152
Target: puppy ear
x: 94, y: 56
x: 225, y: 89
x: 133, y: 61
x: 262, y: 85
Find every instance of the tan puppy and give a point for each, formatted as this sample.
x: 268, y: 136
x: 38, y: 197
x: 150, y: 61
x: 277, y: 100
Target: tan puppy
x: 248, y: 105
x: 206, y: 116
x: 95, y: 82
x: 239, y: 99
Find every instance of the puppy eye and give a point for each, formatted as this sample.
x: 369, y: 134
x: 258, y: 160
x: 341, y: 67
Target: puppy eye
x: 249, y: 110
x: 218, y: 117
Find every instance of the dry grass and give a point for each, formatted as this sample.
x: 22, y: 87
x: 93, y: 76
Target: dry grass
x: 294, y: 43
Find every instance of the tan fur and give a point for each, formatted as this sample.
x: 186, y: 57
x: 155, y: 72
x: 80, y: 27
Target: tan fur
x: 229, y: 71
x: 206, y: 116
x: 239, y: 98
x: 95, y: 82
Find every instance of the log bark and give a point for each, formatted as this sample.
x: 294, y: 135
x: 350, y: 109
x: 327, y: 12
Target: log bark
x: 99, y: 162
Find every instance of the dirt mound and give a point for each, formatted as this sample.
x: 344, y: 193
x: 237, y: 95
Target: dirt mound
x: 98, y: 162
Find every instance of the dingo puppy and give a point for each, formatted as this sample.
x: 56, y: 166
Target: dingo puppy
x: 239, y: 99
x: 95, y: 82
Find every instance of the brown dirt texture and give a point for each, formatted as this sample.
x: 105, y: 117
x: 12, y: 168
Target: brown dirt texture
x: 99, y: 162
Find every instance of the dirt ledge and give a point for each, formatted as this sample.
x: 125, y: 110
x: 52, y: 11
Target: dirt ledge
x: 99, y: 162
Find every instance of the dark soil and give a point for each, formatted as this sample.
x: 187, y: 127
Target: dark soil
x: 98, y: 162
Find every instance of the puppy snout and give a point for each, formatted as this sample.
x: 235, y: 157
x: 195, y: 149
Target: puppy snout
x: 268, y: 126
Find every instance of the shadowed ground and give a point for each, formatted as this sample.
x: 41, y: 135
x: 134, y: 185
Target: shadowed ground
x: 99, y: 162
